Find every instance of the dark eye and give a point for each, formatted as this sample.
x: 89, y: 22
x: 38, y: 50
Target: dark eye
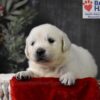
x: 51, y: 40
x: 32, y: 43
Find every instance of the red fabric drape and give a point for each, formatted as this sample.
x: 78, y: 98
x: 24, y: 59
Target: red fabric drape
x: 52, y: 89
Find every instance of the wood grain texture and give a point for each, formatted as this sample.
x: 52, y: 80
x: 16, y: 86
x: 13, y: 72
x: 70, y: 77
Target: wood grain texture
x: 67, y: 15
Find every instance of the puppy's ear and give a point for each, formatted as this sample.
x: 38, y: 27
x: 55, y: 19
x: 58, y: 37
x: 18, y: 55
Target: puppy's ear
x: 26, y: 50
x: 65, y: 43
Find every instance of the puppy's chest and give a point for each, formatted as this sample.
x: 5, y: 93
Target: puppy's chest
x: 45, y: 73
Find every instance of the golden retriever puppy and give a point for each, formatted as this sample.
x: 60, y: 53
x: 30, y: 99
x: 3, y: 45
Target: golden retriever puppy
x: 51, y: 54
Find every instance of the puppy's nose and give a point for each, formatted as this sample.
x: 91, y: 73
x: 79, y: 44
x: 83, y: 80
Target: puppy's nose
x: 40, y: 52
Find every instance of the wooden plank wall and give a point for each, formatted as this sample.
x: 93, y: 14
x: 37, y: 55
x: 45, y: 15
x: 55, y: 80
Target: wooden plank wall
x: 67, y: 15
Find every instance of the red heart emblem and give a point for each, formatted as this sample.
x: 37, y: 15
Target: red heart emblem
x: 88, y: 7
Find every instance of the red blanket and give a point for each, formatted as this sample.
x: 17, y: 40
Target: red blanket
x: 51, y: 89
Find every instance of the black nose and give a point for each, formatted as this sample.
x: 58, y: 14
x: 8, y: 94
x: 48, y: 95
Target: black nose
x: 40, y: 52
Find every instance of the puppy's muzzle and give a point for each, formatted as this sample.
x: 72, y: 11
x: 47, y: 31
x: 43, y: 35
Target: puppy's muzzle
x: 40, y: 54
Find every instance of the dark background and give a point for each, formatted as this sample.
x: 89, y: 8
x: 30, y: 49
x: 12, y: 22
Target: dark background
x: 67, y: 15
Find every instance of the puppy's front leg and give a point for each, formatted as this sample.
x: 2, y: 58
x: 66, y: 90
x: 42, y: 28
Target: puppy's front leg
x: 24, y: 75
x: 67, y: 78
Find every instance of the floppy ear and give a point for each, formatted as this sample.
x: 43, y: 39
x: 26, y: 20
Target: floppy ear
x: 26, y: 50
x: 65, y: 43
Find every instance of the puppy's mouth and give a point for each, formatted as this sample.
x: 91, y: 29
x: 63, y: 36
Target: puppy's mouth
x: 42, y: 59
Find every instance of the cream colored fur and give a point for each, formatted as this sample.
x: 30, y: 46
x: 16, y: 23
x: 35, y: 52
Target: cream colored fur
x: 66, y: 60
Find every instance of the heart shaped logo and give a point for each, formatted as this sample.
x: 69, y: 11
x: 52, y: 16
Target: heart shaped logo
x: 87, y: 5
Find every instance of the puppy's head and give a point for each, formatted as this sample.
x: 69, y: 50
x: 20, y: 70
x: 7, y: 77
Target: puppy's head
x: 46, y: 44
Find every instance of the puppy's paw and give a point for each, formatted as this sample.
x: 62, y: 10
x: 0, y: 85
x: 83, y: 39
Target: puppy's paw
x: 24, y: 75
x: 67, y: 79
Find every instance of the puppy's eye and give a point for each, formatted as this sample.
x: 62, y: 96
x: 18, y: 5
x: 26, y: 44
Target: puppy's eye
x: 32, y: 43
x: 51, y: 40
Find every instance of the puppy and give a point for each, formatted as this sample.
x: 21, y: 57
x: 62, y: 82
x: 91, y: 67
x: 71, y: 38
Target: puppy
x: 51, y: 54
